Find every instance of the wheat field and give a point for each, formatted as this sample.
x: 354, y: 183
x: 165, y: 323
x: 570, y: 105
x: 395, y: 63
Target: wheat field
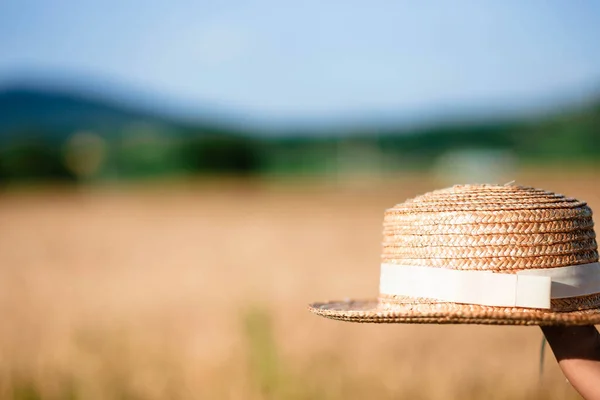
x: 198, y: 290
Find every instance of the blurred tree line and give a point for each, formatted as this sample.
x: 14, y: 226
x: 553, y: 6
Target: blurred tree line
x: 133, y: 147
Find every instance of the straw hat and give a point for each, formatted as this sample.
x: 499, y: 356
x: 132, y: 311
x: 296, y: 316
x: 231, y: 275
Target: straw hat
x: 484, y: 254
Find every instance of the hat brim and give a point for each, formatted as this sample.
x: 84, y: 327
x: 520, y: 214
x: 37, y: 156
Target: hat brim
x: 441, y: 313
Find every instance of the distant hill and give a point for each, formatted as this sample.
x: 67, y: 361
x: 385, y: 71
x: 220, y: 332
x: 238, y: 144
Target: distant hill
x: 55, y: 114
x: 52, y: 134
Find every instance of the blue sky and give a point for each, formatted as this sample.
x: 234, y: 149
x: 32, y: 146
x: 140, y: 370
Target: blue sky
x: 312, y: 59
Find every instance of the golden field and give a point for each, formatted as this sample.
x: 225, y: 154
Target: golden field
x: 198, y: 290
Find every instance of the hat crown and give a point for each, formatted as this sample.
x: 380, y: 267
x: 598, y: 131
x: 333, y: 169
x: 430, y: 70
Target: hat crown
x: 490, y: 227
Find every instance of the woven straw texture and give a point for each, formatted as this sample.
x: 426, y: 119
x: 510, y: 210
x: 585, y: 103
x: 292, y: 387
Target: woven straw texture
x: 481, y: 227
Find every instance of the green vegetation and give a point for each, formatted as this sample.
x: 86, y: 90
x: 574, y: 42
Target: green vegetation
x: 94, y: 141
x: 264, y: 362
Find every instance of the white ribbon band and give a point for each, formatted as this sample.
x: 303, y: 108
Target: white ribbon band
x: 528, y: 288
